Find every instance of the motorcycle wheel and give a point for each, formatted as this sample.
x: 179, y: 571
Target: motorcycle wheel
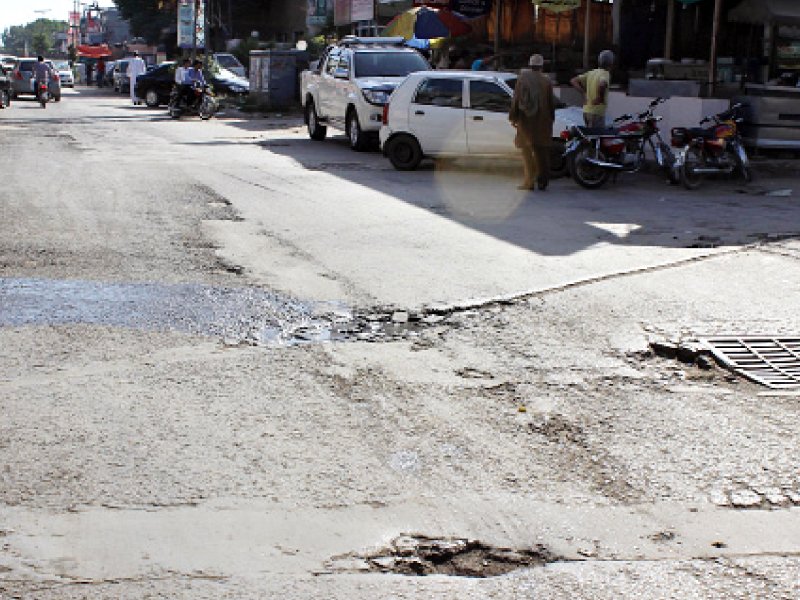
x: 742, y: 164
x: 206, y: 110
x: 692, y: 160
x: 174, y: 112
x: 558, y: 163
x: 585, y: 174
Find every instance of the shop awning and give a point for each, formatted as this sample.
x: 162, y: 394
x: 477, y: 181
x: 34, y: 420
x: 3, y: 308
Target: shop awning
x: 785, y: 12
x: 99, y: 51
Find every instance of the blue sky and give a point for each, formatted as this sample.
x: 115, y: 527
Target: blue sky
x: 20, y: 12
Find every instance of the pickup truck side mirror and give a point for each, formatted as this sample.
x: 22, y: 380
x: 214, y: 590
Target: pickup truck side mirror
x: 341, y: 73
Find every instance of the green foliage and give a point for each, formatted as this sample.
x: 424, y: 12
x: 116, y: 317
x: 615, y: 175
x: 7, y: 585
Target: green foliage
x: 242, y: 51
x: 35, y: 37
x: 148, y: 17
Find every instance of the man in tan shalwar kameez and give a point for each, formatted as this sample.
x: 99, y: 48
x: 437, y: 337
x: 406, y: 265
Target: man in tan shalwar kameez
x: 532, y: 113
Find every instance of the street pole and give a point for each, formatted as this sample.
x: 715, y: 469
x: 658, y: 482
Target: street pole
x: 712, y: 66
x: 206, y: 41
x: 498, y: 25
x: 194, y: 32
x: 586, y: 32
x: 670, y: 27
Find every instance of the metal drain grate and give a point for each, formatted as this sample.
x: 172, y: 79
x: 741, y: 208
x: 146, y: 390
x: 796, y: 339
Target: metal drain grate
x: 773, y: 362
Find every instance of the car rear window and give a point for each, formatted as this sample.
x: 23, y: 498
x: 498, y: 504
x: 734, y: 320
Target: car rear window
x: 441, y: 92
x: 388, y: 64
x: 26, y: 65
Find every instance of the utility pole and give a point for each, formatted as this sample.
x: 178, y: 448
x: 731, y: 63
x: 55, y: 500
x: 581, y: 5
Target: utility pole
x: 586, y: 34
x: 712, y: 64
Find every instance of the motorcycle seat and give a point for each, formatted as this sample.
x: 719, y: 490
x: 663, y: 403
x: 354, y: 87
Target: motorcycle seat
x: 595, y: 131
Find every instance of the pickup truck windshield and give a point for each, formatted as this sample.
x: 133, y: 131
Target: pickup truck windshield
x: 388, y: 64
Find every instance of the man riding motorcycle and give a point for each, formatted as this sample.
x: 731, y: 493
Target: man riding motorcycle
x: 41, y: 74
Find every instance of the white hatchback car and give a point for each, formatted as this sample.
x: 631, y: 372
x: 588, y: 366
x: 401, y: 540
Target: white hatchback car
x: 457, y: 113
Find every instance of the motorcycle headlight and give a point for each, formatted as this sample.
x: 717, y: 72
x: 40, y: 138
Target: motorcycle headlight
x: 378, y: 97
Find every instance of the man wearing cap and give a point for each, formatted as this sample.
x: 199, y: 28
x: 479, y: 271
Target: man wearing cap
x: 533, y: 110
x: 594, y: 86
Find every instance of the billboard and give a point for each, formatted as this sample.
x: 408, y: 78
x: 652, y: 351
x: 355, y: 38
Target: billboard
x: 190, y: 24
x: 362, y: 10
x: 472, y: 8
x: 350, y: 11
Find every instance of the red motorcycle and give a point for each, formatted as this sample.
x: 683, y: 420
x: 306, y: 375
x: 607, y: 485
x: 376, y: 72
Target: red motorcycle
x: 43, y: 94
x: 594, y: 154
x: 717, y: 149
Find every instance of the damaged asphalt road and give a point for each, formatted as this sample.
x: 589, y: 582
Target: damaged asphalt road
x: 180, y: 420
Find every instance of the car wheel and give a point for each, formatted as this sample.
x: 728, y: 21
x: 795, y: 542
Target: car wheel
x: 358, y: 141
x: 4, y: 99
x: 151, y: 98
x: 316, y: 131
x: 404, y: 152
x: 57, y: 97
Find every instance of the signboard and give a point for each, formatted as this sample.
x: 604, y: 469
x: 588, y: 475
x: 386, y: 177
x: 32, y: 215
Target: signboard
x: 472, y: 8
x: 362, y: 10
x: 558, y: 6
x: 189, y: 28
x: 317, y: 13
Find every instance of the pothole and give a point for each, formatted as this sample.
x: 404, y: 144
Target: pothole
x: 420, y: 555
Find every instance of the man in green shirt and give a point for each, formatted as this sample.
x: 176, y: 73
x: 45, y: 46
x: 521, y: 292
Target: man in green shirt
x: 594, y: 86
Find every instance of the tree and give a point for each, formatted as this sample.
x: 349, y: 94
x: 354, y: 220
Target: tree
x: 34, y: 37
x: 148, y: 18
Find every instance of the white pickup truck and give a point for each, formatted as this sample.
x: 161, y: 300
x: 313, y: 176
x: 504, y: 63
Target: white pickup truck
x: 351, y: 85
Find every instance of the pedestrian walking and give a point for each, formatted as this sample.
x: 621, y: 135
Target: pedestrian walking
x: 594, y: 87
x: 533, y: 110
x: 101, y: 72
x: 136, y: 67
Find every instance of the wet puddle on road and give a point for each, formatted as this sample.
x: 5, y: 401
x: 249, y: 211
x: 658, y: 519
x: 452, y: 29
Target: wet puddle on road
x: 234, y: 314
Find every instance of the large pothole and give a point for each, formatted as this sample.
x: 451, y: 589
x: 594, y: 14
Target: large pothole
x: 420, y: 555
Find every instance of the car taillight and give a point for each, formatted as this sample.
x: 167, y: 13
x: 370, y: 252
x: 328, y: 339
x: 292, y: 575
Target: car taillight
x: 17, y: 74
x: 565, y: 134
x: 385, y: 119
x: 55, y: 77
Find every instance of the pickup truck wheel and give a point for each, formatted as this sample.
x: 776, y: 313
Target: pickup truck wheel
x: 404, y: 152
x: 315, y: 130
x: 358, y: 141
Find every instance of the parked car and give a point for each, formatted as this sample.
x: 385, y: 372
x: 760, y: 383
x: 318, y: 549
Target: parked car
x: 458, y: 113
x: 22, y: 80
x: 8, y: 61
x: 119, y: 76
x: 230, y: 62
x: 65, y: 73
x: 5, y: 87
x: 155, y: 87
x: 352, y: 82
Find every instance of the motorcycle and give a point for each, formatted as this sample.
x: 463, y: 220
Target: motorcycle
x: 717, y: 149
x: 44, y: 94
x: 199, y: 100
x: 594, y: 154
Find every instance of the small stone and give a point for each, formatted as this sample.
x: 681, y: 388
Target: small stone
x: 384, y: 562
x: 745, y: 499
x: 777, y: 499
x: 432, y: 319
x: 705, y: 362
x: 793, y: 496
x: 400, y: 316
x: 719, y: 498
